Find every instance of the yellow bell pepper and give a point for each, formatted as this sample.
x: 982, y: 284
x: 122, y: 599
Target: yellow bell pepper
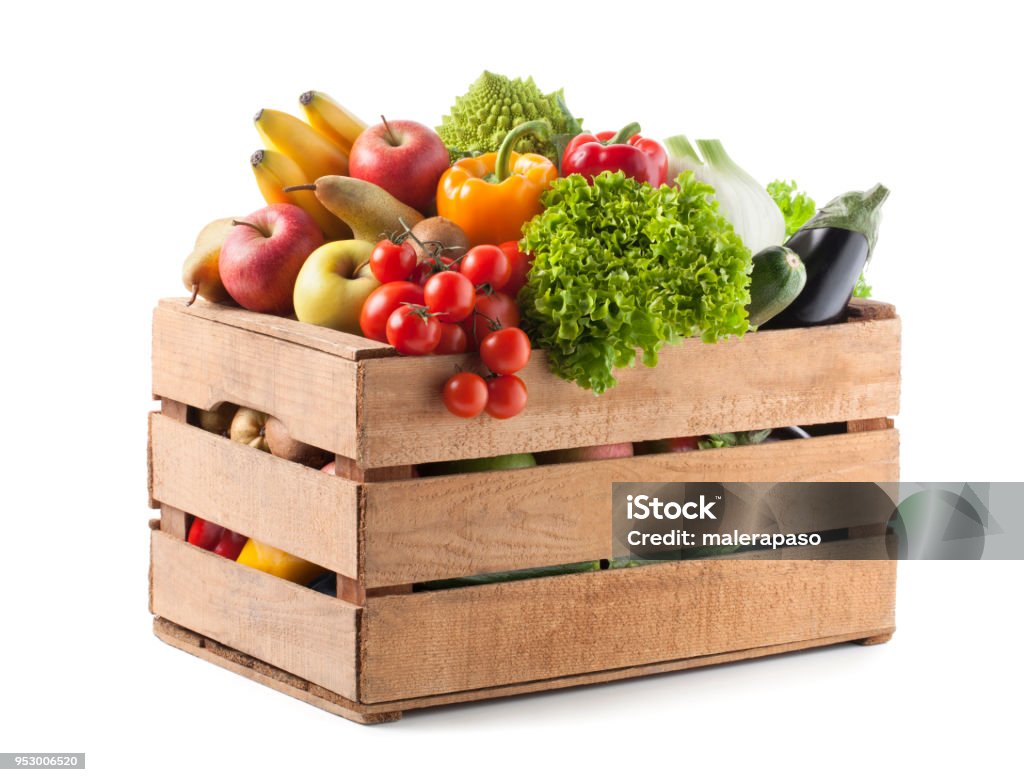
x: 490, y: 197
x: 278, y: 563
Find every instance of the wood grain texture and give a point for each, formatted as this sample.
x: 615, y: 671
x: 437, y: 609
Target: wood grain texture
x: 463, y: 639
x: 202, y: 363
x: 268, y: 675
x: 374, y: 713
x: 286, y: 625
x: 834, y: 373
x: 336, y: 343
x: 459, y: 525
x: 290, y: 506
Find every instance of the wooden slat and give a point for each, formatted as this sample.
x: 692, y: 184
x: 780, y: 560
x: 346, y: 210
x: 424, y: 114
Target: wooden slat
x: 459, y: 525
x: 286, y: 625
x: 284, y: 682
x: 202, y: 363
x: 290, y: 506
x: 834, y: 373
x: 336, y: 343
x: 268, y: 675
x: 486, y: 636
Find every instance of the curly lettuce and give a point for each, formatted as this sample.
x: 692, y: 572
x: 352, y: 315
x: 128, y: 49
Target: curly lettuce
x: 621, y: 267
x: 797, y: 207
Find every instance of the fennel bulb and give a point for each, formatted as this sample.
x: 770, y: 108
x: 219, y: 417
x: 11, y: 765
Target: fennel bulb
x: 754, y: 215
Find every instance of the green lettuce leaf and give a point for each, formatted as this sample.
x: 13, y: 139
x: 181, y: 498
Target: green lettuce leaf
x: 797, y: 207
x: 621, y: 267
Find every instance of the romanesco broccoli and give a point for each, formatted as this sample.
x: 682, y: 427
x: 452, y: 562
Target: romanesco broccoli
x: 494, y: 105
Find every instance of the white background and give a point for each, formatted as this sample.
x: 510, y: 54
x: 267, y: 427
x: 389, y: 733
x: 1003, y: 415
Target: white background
x: 126, y: 128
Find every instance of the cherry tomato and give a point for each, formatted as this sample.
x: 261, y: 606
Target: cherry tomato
x: 453, y: 340
x: 506, y: 396
x: 465, y: 394
x: 428, y: 268
x: 413, y: 331
x: 379, y: 305
x: 493, y: 311
x: 451, y: 295
x: 392, y: 262
x: 505, y: 352
x: 520, y: 264
x: 486, y: 264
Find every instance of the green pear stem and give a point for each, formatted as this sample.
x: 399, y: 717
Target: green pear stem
x: 254, y: 227
x: 195, y: 292
x: 293, y: 188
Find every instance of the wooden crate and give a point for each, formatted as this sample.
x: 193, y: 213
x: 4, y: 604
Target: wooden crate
x: 381, y: 648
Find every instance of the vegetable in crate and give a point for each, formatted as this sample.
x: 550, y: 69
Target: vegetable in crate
x: 215, y: 538
x: 494, y: 105
x: 798, y: 207
x: 491, y: 196
x: 620, y: 266
x: 834, y: 246
x: 754, y: 215
x: 278, y: 563
x: 775, y: 282
x: 642, y: 159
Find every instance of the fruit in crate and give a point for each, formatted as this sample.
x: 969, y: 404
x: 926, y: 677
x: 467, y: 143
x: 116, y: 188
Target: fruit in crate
x: 216, y: 538
x: 370, y: 211
x: 403, y: 157
x: 373, y: 320
x: 201, y: 271
x: 439, y: 235
x: 278, y: 563
x: 217, y: 420
x: 331, y: 119
x: 314, y: 153
x: 263, y: 253
x: 287, y: 447
x: 274, y: 172
x: 670, y: 445
x: 249, y: 428
x: 333, y: 284
x: 587, y: 453
x: 511, y: 461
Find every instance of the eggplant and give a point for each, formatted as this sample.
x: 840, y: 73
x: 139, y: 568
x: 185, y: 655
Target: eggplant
x: 834, y: 245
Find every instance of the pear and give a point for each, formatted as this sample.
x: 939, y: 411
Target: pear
x: 370, y: 211
x: 219, y: 419
x: 201, y: 273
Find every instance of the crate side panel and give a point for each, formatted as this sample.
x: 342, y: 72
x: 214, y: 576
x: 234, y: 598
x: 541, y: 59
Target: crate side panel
x: 461, y: 525
x: 292, y: 507
x: 464, y: 639
x: 201, y: 363
x: 286, y: 625
x: 337, y: 343
x: 843, y: 372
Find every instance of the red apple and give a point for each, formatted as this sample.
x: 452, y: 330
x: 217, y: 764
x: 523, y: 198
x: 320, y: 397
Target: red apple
x: 263, y: 253
x: 671, y: 445
x: 587, y: 453
x: 403, y: 157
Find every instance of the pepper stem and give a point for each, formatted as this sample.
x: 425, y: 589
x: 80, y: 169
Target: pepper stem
x: 625, y: 134
x: 539, y: 128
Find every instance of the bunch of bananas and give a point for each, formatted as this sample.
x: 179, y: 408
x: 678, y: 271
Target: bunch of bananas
x: 299, y: 153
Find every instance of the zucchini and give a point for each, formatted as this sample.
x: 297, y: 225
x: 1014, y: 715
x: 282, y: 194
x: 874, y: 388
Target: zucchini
x: 777, y: 278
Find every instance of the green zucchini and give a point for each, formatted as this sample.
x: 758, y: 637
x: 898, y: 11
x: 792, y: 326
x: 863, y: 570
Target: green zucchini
x: 775, y: 282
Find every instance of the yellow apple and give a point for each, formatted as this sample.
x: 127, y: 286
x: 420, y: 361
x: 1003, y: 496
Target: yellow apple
x: 333, y: 283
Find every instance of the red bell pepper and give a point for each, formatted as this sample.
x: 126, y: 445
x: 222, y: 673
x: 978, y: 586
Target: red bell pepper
x: 642, y: 159
x: 215, y: 538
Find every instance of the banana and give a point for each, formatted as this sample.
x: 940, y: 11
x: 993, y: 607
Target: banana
x: 331, y: 118
x: 314, y: 153
x: 274, y: 172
